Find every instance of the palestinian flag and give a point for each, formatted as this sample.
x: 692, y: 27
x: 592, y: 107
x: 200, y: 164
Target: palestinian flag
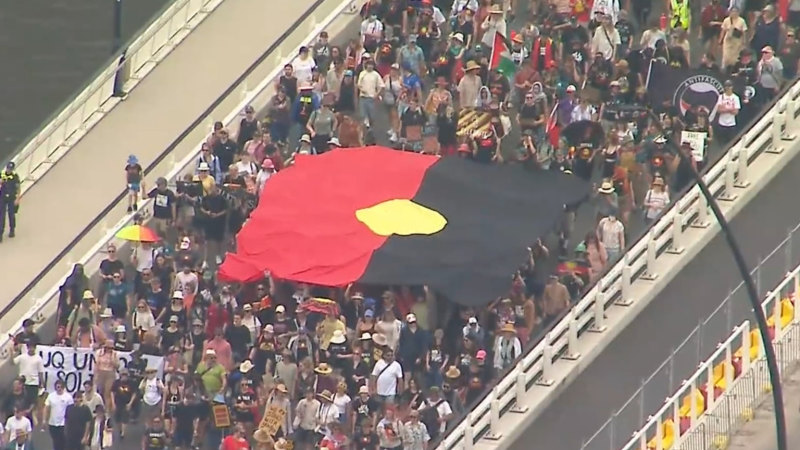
x: 379, y: 216
x: 501, y: 56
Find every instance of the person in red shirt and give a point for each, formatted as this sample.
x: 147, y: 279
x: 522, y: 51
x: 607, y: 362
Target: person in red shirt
x: 235, y: 441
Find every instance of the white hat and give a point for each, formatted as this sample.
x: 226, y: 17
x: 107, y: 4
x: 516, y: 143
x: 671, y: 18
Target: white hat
x: 247, y: 307
x: 660, y: 139
x: 211, y: 352
x: 606, y: 187
x: 334, y: 141
x: 411, y: 318
x: 459, y: 37
x: 203, y: 167
x: 119, y: 329
x: 473, y: 321
x: 363, y: 390
x: 280, y: 309
x: 366, y: 336
x: 571, y: 88
x: 177, y: 295
x: 305, y: 138
x: 246, y: 366
x: 338, y: 337
x: 268, y: 328
x: 106, y: 313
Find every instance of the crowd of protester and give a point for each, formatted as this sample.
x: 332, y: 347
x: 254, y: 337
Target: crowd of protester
x: 388, y: 366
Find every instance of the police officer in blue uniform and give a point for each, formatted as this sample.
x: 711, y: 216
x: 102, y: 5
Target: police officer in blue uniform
x: 9, y: 199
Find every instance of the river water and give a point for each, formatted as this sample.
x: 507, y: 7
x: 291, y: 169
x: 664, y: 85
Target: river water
x: 49, y: 50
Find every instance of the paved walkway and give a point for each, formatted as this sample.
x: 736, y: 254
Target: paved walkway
x: 169, y: 99
x: 760, y: 433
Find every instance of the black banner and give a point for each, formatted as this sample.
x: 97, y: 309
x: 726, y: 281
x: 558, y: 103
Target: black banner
x: 684, y: 88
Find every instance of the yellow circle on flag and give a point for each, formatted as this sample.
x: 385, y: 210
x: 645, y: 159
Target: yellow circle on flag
x: 402, y: 217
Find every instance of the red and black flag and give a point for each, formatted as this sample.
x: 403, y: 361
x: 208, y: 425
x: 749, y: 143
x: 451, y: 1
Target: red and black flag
x: 381, y: 216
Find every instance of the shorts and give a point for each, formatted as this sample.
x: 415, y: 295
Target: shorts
x: 134, y: 188
x: 182, y: 438
x: 122, y: 415
x: 32, y: 393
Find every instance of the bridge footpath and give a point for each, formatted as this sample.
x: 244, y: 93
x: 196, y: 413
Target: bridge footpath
x: 641, y: 348
x: 759, y: 434
x: 88, y: 178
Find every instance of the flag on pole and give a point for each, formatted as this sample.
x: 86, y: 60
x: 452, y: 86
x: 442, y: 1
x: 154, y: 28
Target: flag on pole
x: 552, y: 129
x: 501, y: 56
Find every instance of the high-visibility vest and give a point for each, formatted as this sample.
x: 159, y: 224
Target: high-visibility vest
x: 680, y: 12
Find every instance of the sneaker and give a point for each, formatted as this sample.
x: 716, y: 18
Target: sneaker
x: 135, y: 206
x: 11, y: 234
x: 130, y: 209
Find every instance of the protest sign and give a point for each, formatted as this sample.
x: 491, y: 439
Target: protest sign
x: 273, y: 419
x: 74, y: 366
x: 697, y: 140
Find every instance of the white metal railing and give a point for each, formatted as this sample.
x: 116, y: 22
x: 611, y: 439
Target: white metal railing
x: 767, y: 135
x: 722, y: 394
x: 614, y: 289
x: 69, y: 125
x: 43, y: 307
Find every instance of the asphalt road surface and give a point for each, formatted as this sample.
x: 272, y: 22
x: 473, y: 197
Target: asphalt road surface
x: 641, y: 348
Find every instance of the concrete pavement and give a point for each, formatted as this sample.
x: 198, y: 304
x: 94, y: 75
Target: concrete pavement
x: 759, y: 434
x: 91, y: 175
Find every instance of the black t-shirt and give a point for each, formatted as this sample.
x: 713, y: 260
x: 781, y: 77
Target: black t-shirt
x: 184, y: 416
x: 155, y: 439
x: 76, y: 419
x: 239, y: 338
x: 28, y: 338
x: 393, y: 13
x: 289, y: 85
x: 108, y: 267
x: 244, y: 415
x: 162, y: 204
x: 170, y: 338
x: 185, y: 258
x: 123, y: 391
x: 365, y: 409
x: 574, y: 34
x: 790, y: 54
x: 136, y: 368
x: 11, y: 401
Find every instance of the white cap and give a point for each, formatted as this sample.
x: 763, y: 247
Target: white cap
x: 119, y: 329
x: 268, y: 328
x: 334, y: 141
x: 473, y: 321
x: 571, y: 88
x: 177, y: 295
x: 305, y: 138
x: 203, y: 167
x: 411, y: 318
x: 280, y: 309
x: 211, y: 352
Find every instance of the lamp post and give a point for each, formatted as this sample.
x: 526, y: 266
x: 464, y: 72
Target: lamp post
x: 752, y: 294
x: 116, y: 46
x: 116, y: 43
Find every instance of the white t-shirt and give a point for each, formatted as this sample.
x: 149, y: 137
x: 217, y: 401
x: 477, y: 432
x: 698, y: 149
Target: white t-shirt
x: 13, y: 425
x: 443, y: 409
x: 302, y: 69
x: 30, y: 366
x: 58, y: 407
x: 729, y: 101
x: 386, y: 382
x: 610, y: 233
x: 187, y: 282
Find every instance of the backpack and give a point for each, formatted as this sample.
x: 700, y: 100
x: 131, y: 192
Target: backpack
x: 430, y: 417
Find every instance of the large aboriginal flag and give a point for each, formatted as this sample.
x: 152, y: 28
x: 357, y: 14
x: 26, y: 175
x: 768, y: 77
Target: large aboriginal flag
x: 380, y: 216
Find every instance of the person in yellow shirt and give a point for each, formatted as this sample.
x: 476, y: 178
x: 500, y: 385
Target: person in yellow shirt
x: 205, y: 178
x: 326, y: 328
